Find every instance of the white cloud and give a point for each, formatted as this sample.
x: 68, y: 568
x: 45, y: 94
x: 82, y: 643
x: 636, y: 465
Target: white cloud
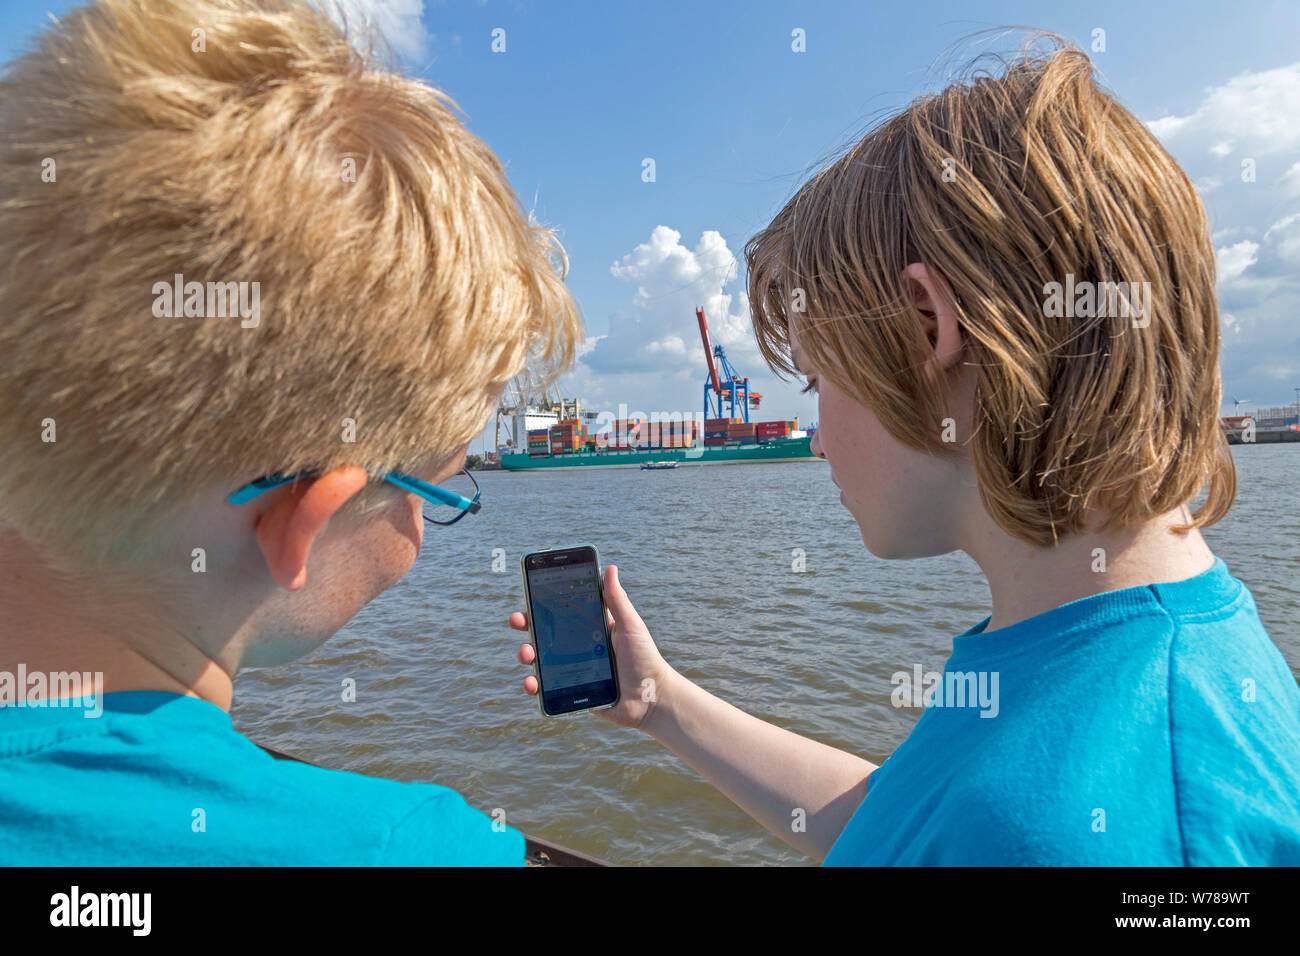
x: 400, y: 22
x: 1285, y: 237
x: 652, y: 357
x: 1235, y: 259
x: 671, y: 280
x: 1290, y: 182
x: 587, y: 345
x: 1257, y: 108
x: 1249, y: 122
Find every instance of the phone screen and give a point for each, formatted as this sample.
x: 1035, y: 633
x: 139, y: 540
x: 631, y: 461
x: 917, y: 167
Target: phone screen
x: 574, y: 664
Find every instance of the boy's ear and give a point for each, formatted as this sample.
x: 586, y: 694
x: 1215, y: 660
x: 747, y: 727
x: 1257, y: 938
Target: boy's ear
x: 933, y: 299
x: 287, y: 529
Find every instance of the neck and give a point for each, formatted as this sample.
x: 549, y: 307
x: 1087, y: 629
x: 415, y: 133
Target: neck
x: 1025, y: 580
x: 54, y: 623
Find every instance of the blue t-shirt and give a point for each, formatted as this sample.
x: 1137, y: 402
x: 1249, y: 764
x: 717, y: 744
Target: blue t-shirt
x: 164, y: 779
x: 1149, y: 726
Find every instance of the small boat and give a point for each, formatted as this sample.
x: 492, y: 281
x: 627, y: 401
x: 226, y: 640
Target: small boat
x: 655, y: 465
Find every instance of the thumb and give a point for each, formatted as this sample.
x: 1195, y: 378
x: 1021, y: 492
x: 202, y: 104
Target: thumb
x: 620, y: 605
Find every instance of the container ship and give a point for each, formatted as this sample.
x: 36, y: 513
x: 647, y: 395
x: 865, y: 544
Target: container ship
x: 554, y: 432
x: 633, y: 442
x: 1268, y: 426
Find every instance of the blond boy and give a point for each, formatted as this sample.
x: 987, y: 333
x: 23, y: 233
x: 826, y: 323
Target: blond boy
x: 232, y: 250
x: 1122, y: 704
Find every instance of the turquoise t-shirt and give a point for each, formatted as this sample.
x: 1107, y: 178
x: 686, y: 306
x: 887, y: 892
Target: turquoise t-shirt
x: 164, y: 779
x: 1149, y: 726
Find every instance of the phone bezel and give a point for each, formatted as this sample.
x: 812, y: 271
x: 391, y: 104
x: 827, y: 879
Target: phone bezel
x: 532, y: 636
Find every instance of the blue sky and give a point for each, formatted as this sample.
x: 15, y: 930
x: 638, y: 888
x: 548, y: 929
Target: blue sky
x: 735, y: 120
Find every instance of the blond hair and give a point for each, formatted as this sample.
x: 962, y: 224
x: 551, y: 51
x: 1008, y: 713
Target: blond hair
x: 401, y: 284
x: 1006, y: 184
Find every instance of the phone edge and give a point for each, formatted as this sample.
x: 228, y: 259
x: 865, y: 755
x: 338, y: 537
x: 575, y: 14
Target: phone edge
x: 532, y: 637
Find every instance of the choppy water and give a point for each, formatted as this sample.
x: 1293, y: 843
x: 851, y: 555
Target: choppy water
x: 705, y: 554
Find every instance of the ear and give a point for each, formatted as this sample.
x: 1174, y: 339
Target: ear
x: 287, y: 529
x: 933, y: 299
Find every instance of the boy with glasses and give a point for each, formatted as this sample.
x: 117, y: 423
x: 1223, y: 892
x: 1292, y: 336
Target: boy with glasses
x: 245, y: 347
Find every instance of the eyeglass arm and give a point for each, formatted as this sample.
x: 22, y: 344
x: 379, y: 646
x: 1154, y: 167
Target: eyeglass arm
x: 261, y: 486
x: 405, y: 482
x: 428, y: 491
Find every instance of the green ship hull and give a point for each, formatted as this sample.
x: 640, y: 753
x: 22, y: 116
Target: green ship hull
x: 788, y: 449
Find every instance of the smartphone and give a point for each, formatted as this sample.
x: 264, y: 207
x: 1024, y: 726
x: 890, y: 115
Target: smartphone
x: 574, y: 663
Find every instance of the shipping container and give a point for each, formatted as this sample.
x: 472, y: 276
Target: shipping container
x: 1288, y: 413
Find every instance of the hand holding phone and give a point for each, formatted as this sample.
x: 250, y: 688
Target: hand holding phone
x: 642, y: 673
x: 575, y: 663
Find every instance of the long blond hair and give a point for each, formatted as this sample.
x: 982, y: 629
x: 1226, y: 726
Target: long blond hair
x: 1006, y: 184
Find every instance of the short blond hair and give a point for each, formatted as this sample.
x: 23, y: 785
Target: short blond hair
x: 1005, y: 184
x: 402, y: 285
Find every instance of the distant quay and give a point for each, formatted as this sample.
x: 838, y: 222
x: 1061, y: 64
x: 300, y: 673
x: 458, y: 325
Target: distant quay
x: 792, y: 449
x: 1267, y: 426
x: 1265, y: 438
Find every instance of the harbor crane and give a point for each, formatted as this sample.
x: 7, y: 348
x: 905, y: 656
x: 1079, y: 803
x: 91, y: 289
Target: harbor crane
x: 722, y: 383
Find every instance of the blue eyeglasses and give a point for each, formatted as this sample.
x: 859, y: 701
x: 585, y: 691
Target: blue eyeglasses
x: 430, y: 493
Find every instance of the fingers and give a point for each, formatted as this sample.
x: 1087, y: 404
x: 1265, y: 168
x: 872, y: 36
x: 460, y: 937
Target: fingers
x: 519, y: 621
x: 526, y: 655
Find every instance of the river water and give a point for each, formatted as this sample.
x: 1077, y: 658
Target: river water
x: 707, y: 555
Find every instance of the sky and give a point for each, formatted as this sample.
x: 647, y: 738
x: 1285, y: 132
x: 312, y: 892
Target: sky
x: 735, y: 120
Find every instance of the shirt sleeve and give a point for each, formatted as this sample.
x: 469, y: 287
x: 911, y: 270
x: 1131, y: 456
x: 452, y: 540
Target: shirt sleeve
x: 444, y: 830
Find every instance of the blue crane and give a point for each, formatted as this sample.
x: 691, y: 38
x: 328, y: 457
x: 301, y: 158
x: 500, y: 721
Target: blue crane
x: 726, y: 387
